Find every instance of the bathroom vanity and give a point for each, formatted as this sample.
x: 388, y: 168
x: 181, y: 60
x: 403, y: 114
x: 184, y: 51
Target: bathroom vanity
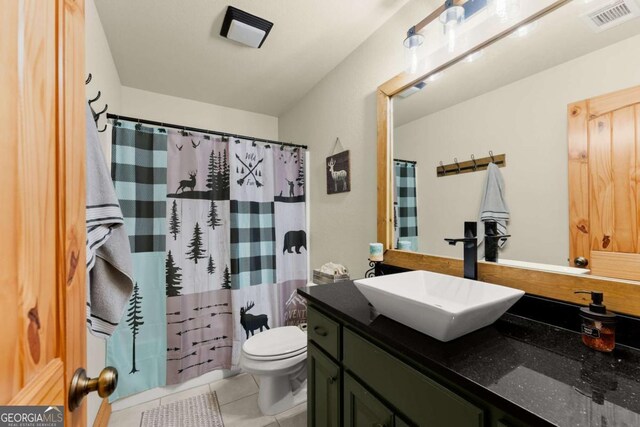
x: 368, y: 370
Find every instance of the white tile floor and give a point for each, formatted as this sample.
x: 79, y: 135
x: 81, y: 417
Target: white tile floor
x: 238, y: 397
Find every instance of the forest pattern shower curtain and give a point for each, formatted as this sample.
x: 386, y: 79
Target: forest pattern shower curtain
x: 235, y: 252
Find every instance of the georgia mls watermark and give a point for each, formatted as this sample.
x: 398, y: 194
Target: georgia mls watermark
x: 31, y: 416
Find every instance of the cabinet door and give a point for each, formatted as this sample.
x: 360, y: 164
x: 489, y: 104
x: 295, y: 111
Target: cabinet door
x: 362, y: 409
x: 323, y: 388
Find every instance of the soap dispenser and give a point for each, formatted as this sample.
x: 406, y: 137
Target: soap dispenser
x: 598, y: 325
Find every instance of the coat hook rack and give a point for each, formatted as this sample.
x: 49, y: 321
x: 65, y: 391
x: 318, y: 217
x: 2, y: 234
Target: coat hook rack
x: 472, y: 165
x: 96, y: 116
x: 91, y: 101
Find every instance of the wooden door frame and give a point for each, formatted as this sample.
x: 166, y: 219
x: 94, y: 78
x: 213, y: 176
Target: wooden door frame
x: 621, y: 295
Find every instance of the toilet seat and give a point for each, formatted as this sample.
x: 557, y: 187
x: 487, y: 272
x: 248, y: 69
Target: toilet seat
x: 276, y: 344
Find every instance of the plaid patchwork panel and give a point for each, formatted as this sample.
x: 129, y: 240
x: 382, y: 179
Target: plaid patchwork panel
x: 407, y: 206
x: 139, y: 173
x: 253, y: 244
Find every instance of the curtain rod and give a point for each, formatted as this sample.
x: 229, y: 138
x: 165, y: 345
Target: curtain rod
x: 188, y: 128
x: 413, y: 162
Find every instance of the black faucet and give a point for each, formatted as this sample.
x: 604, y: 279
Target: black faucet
x: 470, y: 249
x: 492, y: 240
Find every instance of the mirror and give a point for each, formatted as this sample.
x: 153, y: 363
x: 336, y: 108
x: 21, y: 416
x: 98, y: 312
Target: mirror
x: 512, y: 98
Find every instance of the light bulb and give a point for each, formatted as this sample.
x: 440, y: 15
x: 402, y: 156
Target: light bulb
x: 450, y: 19
x: 450, y: 31
x: 412, y: 44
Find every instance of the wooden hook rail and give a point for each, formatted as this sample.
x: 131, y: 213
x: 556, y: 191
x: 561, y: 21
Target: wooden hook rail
x: 472, y: 165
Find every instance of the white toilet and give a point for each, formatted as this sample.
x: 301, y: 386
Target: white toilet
x: 278, y: 356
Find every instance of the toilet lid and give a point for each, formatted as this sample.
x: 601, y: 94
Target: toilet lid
x: 281, y: 342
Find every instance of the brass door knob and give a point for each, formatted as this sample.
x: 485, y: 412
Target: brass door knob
x: 581, y: 262
x: 81, y: 385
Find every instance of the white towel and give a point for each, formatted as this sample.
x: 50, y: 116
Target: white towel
x: 493, y: 206
x: 109, y: 266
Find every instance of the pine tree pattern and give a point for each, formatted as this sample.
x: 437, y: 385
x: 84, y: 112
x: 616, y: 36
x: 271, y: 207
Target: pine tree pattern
x: 173, y: 277
x: 196, y: 251
x: 226, y: 278
x: 213, y: 168
x: 300, y: 178
x: 211, y: 267
x: 213, y: 220
x: 174, y: 222
x: 134, y: 320
x: 218, y: 175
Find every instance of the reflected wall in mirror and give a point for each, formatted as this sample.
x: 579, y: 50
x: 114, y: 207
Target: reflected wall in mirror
x: 517, y: 97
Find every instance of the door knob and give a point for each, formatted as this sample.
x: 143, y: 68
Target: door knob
x: 581, y: 262
x: 81, y: 385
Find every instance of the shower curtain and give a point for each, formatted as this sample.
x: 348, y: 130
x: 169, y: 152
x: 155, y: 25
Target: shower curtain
x: 233, y: 234
x: 406, y: 203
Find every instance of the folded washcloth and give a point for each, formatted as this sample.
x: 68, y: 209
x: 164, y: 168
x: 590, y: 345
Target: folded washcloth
x: 109, y: 266
x: 493, y: 206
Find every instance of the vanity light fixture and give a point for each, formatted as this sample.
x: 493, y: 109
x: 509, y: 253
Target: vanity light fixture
x: 451, y: 18
x: 451, y: 14
x: 245, y: 28
x: 412, y: 43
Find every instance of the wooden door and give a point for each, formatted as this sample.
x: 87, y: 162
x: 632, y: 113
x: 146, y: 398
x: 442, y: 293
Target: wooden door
x: 42, y: 256
x: 604, y: 187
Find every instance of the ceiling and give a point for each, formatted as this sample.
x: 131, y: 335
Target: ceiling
x: 174, y: 47
x: 513, y: 59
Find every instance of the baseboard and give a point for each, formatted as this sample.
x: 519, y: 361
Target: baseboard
x: 103, y: 415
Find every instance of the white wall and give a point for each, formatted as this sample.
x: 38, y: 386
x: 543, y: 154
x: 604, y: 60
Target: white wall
x: 343, y: 105
x: 99, y: 62
x: 164, y: 108
x: 527, y: 120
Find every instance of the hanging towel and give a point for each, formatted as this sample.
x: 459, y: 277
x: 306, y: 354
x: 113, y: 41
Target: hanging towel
x: 109, y: 267
x: 493, y: 206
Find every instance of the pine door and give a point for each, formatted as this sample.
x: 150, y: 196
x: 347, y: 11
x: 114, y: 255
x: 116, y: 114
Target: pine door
x: 42, y: 275
x: 604, y: 187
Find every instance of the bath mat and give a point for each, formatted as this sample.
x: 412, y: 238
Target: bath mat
x: 197, y: 411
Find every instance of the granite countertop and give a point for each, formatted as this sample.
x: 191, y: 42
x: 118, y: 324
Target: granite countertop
x: 539, y: 373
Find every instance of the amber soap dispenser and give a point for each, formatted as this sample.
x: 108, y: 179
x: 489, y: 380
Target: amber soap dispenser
x: 598, y: 325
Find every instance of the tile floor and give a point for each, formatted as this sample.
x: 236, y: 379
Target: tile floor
x: 238, y: 397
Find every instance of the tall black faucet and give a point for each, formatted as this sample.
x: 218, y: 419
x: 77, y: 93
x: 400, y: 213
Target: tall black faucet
x: 492, y: 240
x: 470, y: 249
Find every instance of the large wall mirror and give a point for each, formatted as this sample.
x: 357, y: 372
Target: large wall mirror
x: 511, y: 98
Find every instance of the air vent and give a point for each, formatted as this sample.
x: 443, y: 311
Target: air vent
x: 612, y: 14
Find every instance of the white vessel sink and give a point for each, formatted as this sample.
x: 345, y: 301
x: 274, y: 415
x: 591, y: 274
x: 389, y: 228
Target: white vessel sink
x: 443, y: 307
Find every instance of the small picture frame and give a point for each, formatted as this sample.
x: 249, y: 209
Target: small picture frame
x: 338, y: 173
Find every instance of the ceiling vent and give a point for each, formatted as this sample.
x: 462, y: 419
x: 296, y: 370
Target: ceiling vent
x: 612, y: 14
x: 245, y: 28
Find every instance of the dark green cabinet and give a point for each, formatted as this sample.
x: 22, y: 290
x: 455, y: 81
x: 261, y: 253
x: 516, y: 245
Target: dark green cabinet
x: 362, y: 409
x: 323, y: 389
x: 353, y: 382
